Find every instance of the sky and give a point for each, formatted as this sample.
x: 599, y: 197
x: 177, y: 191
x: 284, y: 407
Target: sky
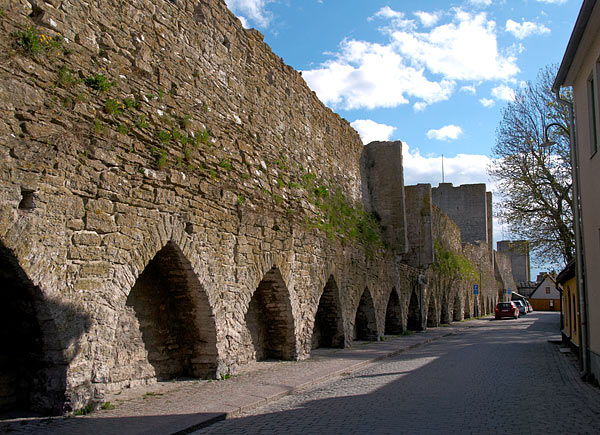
x: 433, y: 74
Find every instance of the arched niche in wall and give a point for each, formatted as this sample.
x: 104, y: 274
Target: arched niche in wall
x: 167, y: 329
x: 432, y: 320
x: 393, y: 315
x: 415, y: 317
x: 456, y: 310
x: 365, y: 323
x: 445, y: 311
x: 328, y: 329
x: 467, y: 310
x: 270, y: 320
x: 33, y: 369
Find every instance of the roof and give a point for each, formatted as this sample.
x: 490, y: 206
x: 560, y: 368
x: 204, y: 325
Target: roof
x: 567, y: 273
x: 580, y: 25
x: 547, y: 276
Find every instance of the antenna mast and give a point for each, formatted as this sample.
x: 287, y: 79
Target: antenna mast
x: 443, y: 176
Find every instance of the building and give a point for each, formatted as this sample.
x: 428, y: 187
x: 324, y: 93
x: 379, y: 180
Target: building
x: 565, y: 283
x: 580, y: 69
x: 518, y: 251
x: 545, y: 297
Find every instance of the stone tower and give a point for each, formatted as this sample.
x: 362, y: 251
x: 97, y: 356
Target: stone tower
x: 518, y: 251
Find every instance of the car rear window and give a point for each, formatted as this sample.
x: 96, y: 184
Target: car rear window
x: 504, y: 305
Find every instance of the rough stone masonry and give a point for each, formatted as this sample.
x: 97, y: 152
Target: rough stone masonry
x: 176, y: 202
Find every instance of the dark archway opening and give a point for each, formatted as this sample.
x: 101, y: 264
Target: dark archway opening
x: 270, y: 321
x: 328, y: 330
x: 467, y: 308
x: 445, y: 312
x: 365, y: 324
x: 393, y: 315
x: 432, y: 320
x: 414, y: 321
x: 174, y: 317
x: 32, y: 367
x: 456, y: 312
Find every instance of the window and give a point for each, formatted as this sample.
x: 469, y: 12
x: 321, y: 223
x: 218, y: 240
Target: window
x: 547, y: 290
x: 592, y: 94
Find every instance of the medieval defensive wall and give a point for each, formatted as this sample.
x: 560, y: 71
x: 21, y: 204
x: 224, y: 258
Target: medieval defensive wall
x: 176, y: 202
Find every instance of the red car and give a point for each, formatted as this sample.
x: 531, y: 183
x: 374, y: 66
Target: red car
x: 506, y: 309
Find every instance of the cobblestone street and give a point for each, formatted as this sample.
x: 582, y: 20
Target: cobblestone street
x: 479, y: 376
x: 503, y: 377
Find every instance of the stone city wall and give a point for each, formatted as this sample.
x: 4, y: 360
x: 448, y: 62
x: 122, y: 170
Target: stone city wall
x: 174, y: 201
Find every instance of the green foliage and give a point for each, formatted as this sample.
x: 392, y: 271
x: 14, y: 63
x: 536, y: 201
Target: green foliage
x: 130, y: 103
x: 241, y: 199
x: 98, y: 82
x: 113, y: 107
x: 66, y: 78
x: 453, y: 265
x: 141, y: 122
x: 321, y: 192
x: 32, y: 43
x: 161, y: 157
x: 98, y: 126
x: 225, y: 163
x: 203, y: 137
x: 122, y: 128
x: 87, y: 409
x: 188, y: 154
x: 107, y: 405
x: 164, y: 136
x: 225, y: 376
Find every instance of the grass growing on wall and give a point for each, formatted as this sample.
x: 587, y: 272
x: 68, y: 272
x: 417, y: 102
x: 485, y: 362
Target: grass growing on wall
x: 453, y: 265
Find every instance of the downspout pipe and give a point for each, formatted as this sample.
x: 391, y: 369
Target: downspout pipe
x: 579, y: 266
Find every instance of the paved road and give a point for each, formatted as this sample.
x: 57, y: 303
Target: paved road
x: 504, y: 377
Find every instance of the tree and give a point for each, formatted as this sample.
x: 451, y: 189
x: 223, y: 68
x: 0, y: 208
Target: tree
x: 534, y: 181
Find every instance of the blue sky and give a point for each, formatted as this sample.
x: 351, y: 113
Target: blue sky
x: 433, y: 74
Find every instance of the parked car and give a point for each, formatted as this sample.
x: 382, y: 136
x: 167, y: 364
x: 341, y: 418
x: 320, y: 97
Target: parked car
x: 529, y: 306
x: 521, y: 305
x: 506, y: 309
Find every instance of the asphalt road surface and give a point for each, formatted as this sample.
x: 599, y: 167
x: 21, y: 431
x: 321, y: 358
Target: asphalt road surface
x: 504, y: 377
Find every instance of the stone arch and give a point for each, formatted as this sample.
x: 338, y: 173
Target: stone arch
x: 166, y: 329
x: 456, y: 311
x: 432, y: 320
x: 328, y: 329
x: 365, y: 322
x: 445, y: 317
x: 467, y: 311
x: 393, y: 315
x: 33, y: 366
x: 415, y: 317
x: 270, y: 320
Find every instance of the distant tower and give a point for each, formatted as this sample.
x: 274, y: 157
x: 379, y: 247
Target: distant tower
x: 518, y: 251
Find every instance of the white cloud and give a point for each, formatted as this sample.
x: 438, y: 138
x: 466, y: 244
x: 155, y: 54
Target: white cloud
x: 370, y: 131
x: 461, y: 169
x: 372, y: 75
x: 250, y: 10
x: 487, y: 102
x: 448, y: 132
x: 423, y: 67
x: 427, y: 19
x: 469, y: 89
x: 553, y: 2
x: 525, y: 29
x: 480, y: 3
x: 464, y: 49
x: 503, y: 92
